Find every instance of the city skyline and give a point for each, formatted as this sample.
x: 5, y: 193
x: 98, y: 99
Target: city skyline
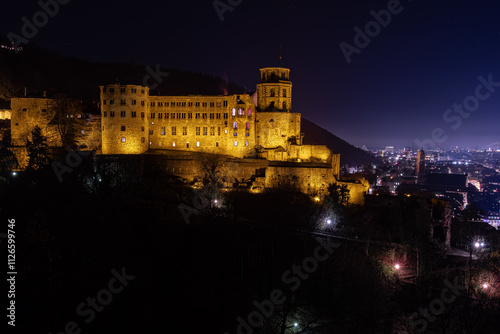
x: 391, y: 85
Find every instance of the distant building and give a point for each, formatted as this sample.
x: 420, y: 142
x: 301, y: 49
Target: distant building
x: 420, y: 165
x: 5, y: 114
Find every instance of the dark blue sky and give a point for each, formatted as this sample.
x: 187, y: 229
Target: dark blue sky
x: 396, y: 90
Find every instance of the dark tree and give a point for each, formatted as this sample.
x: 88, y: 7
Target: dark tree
x: 37, y: 150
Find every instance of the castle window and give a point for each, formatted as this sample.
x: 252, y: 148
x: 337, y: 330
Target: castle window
x: 226, y: 115
x: 184, y: 130
x: 235, y: 125
x: 272, y: 105
x: 204, y: 130
x: 104, y: 89
x: 190, y: 115
x: 134, y: 102
x: 197, y: 144
x: 104, y: 102
x: 123, y: 139
x: 217, y: 144
x: 143, y: 139
x: 212, y: 104
x: 241, y: 112
x: 249, y: 112
x: 142, y: 91
x: 160, y: 115
x: 187, y: 145
x: 233, y: 112
x: 134, y: 113
x: 142, y: 103
x: 112, y: 113
x: 284, y: 105
x: 183, y: 115
x: 183, y: 104
x: 247, y: 126
x: 122, y: 89
x: 142, y: 128
x: 174, y: 131
x: 167, y: 115
x: 160, y: 104
x: 111, y: 90
x: 247, y: 134
x: 142, y: 114
x: 246, y: 143
x: 178, y: 104
x: 167, y: 104
x: 204, y: 115
x: 197, y: 130
x: 235, y: 134
x: 105, y: 114
x: 284, y: 92
x: 235, y: 143
x: 152, y: 104
x: 163, y: 131
x: 134, y: 90
x: 150, y: 132
x: 217, y: 115
x: 225, y: 131
x: 197, y: 104
x: 152, y: 115
x: 123, y: 128
x: 172, y: 115
x: 219, y: 104
x: 204, y: 104
x: 190, y: 104
x: 172, y: 104
x: 112, y: 101
x: 225, y: 124
x: 272, y: 93
x: 224, y: 103
x: 271, y: 120
x: 218, y: 131
x: 197, y: 115
x: 212, y: 131
x: 212, y: 115
x: 122, y: 113
x: 178, y: 115
x: 123, y: 102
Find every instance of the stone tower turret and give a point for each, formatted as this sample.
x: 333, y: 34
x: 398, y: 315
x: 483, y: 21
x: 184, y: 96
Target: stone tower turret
x: 275, y: 89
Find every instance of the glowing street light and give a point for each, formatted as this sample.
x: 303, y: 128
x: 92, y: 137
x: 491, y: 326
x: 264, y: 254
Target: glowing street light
x: 397, y: 266
x: 295, y: 325
x: 329, y: 221
x: 485, y: 286
x: 477, y: 244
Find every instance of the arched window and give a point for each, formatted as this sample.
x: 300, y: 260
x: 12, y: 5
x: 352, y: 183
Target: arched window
x: 235, y: 125
x: 234, y: 112
x: 241, y: 111
x: 248, y: 126
x: 249, y: 112
x: 272, y: 93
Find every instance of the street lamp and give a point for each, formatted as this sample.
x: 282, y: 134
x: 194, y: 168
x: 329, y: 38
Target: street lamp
x: 485, y: 286
x: 329, y: 221
x: 397, y: 266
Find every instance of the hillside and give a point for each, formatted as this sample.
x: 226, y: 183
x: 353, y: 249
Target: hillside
x: 39, y: 70
x: 349, y: 154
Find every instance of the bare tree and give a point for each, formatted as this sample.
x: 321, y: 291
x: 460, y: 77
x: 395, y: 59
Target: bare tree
x: 68, y: 120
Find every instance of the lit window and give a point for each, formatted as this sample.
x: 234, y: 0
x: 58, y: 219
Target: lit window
x: 235, y: 125
x: 241, y: 111
x: 235, y: 143
x: 225, y: 131
x: 248, y: 126
x: 173, y: 144
x: 123, y: 127
x: 249, y: 112
x: 234, y: 112
x: 235, y: 134
x: 197, y: 144
x: 212, y: 131
x: 123, y: 139
x: 246, y: 143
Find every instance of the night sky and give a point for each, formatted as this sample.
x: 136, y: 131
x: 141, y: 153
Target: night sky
x: 395, y: 91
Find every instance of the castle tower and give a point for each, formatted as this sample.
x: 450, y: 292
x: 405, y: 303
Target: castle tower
x: 124, y: 119
x: 275, y: 89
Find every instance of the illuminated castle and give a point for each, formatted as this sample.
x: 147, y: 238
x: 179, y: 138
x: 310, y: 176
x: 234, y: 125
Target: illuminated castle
x: 261, y: 125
